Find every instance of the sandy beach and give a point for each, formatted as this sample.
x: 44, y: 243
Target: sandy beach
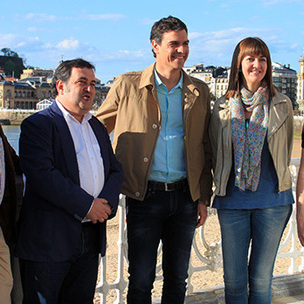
x: 200, y: 281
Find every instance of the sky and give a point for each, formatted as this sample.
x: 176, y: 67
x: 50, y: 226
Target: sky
x: 114, y: 35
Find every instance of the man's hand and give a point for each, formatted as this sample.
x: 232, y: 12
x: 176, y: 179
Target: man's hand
x: 99, y: 211
x: 201, y: 214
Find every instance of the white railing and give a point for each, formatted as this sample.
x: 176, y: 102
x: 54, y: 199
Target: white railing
x: 30, y: 111
x: 208, y: 254
x: 18, y: 110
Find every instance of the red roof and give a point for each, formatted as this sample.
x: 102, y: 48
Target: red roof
x: 10, y: 78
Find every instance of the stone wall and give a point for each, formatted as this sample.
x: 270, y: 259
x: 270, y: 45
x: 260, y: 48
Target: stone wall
x: 15, y: 117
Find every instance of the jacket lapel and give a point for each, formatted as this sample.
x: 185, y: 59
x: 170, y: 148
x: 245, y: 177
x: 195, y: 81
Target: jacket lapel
x: 224, y: 112
x: 277, y: 117
x: 147, y: 82
x: 190, y: 94
x: 67, y: 143
x: 95, y: 125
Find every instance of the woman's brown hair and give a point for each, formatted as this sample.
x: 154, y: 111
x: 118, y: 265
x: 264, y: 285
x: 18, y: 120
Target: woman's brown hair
x: 248, y: 46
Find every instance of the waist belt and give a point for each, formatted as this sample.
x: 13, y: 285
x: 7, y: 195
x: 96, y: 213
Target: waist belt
x: 159, y: 186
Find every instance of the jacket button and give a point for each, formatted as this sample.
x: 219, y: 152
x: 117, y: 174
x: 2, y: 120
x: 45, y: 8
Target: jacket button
x: 145, y: 159
x: 154, y: 126
x: 137, y: 194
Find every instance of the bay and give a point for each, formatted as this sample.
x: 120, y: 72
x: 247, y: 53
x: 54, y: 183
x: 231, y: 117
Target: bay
x: 12, y: 133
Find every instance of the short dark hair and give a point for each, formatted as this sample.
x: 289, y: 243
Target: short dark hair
x: 248, y: 46
x: 63, y: 71
x: 166, y: 25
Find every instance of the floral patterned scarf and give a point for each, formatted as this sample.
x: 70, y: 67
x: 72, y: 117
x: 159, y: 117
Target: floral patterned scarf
x: 248, y: 142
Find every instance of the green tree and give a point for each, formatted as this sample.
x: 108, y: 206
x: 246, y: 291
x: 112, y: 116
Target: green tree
x: 11, y: 63
x: 5, y: 51
x: 8, y: 52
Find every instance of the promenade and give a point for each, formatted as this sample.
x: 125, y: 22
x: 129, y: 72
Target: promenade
x: 285, y: 289
x: 296, y: 151
x: 206, y: 284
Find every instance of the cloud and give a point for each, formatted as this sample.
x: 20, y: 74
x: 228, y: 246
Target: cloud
x: 214, y: 47
x: 278, y: 2
x: 17, y: 42
x: 46, y: 54
x: 38, y: 18
x: 32, y: 29
x: 113, y: 17
x: 126, y: 55
x: 148, y: 21
x: 68, y: 44
x: 45, y: 18
x: 217, y: 40
x: 217, y: 47
x: 294, y: 46
x: 195, y: 35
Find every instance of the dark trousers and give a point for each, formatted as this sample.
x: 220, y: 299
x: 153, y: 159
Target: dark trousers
x: 68, y: 282
x: 170, y: 217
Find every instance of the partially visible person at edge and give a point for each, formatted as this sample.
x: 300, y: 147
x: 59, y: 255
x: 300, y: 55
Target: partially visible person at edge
x: 300, y: 194
x: 9, y: 166
x: 73, y: 182
x: 251, y: 132
x: 160, y: 119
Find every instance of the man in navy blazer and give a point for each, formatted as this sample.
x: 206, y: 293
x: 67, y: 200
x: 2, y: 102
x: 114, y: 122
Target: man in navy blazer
x: 73, y: 182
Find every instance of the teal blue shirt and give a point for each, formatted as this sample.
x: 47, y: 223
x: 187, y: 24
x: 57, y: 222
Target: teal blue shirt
x: 169, y: 162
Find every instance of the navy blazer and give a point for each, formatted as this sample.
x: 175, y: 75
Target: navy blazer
x: 54, y: 204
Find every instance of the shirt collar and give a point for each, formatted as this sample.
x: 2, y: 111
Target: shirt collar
x: 158, y: 81
x: 67, y: 115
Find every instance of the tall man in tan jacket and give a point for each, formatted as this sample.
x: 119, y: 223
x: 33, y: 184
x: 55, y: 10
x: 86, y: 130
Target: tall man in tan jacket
x: 160, y: 117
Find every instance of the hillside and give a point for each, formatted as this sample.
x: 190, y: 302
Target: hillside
x: 12, y: 66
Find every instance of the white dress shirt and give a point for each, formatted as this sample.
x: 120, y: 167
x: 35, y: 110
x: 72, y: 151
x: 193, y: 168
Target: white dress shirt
x: 89, y: 159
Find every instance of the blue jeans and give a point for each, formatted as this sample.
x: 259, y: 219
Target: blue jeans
x: 68, y: 282
x: 264, y: 228
x: 170, y: 217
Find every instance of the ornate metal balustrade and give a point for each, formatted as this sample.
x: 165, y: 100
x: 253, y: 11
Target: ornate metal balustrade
x: 207, y: 253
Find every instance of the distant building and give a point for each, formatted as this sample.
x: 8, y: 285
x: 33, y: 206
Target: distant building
x: 215, y: 77
x: 285, y: 80
x: 36, y: 72
x: 25, y: 96
x: 45, y: 103
x: 2, y: 73
x: 300, y: 93
x: 34, y: 87
x: 101, y: 92
x: 110, y: 82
